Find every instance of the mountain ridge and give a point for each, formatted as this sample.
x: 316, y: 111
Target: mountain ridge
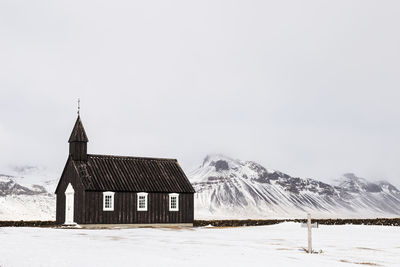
x: 25, y: 196
x: 228, y: 186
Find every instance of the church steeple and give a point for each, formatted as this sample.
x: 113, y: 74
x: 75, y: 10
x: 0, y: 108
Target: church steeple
x: 78, y: 142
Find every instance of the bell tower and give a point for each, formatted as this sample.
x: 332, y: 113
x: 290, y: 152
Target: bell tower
x: 78, y: 142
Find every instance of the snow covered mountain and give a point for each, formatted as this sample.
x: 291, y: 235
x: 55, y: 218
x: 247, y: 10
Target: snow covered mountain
x: 27, y: 194
x: 234, y: 189
x: 226, y: 189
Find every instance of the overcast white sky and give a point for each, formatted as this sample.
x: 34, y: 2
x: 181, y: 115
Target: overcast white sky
x: 311, y: 88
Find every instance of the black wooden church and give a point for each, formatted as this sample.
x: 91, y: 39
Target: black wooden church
x: 102, y: 189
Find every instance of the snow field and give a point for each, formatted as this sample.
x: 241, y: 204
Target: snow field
x: 282, y: 244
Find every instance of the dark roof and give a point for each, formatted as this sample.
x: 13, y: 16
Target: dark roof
x: 78, y: 133
x: 133, y: 174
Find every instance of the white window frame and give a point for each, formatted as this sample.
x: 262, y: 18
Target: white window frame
x: 107, y: 194
x: 173, y: 195
x: 145, y: 195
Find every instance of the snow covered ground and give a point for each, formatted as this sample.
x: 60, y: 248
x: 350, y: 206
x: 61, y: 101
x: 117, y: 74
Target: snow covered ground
x: 276, y: 245
x: 28, y: 207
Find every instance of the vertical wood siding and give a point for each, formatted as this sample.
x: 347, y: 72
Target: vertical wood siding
x: 70, y: 176
x: 78, y: 150
x: 125, y: 209
x: 88, y: 205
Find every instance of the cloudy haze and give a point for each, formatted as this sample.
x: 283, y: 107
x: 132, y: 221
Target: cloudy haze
x: 307, y: 87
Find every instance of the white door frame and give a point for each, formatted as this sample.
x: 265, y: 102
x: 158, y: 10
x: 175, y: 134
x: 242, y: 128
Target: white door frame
x: 69, y: 205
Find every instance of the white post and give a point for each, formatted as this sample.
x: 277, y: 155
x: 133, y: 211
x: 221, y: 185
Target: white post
x: 309, y: 227
x: 309, y: 233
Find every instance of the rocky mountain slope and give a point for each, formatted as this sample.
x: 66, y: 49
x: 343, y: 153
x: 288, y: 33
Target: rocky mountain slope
x: 234, y: 189
x: 27, y: 194
x: 226, y: 189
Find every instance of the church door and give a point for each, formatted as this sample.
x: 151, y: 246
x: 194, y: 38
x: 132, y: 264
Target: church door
x: 69, y: 205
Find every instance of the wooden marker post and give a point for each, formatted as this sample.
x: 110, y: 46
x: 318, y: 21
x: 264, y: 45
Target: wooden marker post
x: 309, y: 226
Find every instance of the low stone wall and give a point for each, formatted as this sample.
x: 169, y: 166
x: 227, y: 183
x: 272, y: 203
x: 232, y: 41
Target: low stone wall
x: 237, y: 223
x: 234, y: 223
x: 378, y: 221
x: 28, y: 223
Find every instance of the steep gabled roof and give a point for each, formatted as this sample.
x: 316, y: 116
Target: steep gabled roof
x: 132, y: 174
x: 78, y: 133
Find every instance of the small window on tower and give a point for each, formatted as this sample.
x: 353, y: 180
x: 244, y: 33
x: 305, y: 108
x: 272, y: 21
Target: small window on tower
x: 108, y: 201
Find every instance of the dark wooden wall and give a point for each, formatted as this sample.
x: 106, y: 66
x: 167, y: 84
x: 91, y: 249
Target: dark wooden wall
x: 125, y: 209
x: 70, y: 175
x: 78, y: 150
x: 88, y: 205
